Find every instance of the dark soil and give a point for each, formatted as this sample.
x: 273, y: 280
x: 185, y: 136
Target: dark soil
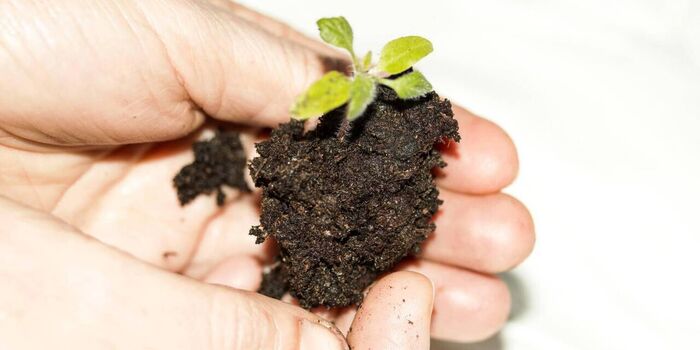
x: 218, y: 162
x: 344, y: 211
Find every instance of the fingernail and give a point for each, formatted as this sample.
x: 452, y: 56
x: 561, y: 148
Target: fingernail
x: 316, y: 336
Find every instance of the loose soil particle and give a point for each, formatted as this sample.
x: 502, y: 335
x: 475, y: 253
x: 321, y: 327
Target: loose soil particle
x: 344, y: 211
x: 219, y: 161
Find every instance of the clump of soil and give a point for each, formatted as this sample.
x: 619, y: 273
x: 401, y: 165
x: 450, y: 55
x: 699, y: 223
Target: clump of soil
x: 219, y: 161
x: 344, y: 211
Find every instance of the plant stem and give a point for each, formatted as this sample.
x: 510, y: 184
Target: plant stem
x: 343, y: 130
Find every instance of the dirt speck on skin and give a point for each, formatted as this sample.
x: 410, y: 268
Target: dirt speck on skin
x: 219, y: 161
x: 344, y: 211
x: 169, y: 254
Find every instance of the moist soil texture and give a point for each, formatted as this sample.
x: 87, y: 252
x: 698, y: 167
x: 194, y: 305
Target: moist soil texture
x: 345, y: 209
x: 219, y: 161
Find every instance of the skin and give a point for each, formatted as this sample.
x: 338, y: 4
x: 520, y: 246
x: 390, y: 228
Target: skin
x: 99, y: 104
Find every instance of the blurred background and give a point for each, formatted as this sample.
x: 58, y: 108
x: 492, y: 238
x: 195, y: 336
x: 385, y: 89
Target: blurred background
x: 602, y: 99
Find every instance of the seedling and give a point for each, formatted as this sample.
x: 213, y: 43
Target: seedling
x: 335, y: 89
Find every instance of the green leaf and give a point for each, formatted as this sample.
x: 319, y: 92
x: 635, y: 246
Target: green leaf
x: 367, y: 61
x: 337, y: 32
x: 324, y: 95
x: 409, y: 85
x: 402, y: 53
x: 362, y: 91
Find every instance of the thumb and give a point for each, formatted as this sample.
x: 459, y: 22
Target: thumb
x: 395, y: 314
x: 236, y: 70
x: 80, y: 294
x: 128, y: 71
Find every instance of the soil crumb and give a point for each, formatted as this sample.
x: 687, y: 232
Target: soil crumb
x: 219, y: 161
x: 344, y: 211
x: 274, y: 282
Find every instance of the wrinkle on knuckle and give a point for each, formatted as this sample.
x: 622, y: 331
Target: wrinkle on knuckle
x: 223, y: 330
x: 237, y: 322
x: 168, y: 88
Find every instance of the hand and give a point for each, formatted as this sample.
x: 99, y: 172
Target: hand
x: 64, y: 290
x: 81, y: 81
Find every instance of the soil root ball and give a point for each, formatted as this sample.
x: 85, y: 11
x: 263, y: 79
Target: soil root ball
x: 344, y: 211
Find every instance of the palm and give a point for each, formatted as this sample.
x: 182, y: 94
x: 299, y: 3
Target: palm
x: 124, y: 197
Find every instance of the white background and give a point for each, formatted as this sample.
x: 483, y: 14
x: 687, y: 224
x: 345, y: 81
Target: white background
x: 603, y: 101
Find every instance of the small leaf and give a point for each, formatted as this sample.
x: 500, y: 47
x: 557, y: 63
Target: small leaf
x: 409, y: 85
x: 367, y: 61
x: 402, y: 53
x: 324, y: 95
x: 337, y: 32
x: 362, y: 91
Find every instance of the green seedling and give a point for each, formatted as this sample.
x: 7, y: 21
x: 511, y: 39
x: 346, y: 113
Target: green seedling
x: 335, y: 89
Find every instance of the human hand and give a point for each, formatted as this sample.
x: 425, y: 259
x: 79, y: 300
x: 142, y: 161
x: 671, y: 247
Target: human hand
x: 81, y: 80
x: 62, y: 289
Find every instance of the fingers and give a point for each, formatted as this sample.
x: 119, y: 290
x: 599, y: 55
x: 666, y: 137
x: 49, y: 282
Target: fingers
x: 395, y: 314
x: 241, y: 272
x: 140, y: 71
x: 491, y: 233
x: 49, y: 271
x: 468, y: 306
x: 485, y: 161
